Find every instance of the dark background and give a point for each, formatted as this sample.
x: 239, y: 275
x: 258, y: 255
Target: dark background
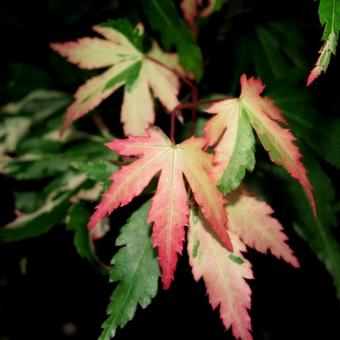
x: 60, y: 295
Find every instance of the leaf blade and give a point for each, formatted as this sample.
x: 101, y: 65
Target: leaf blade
x: 320, y: 133
x: 196, y: 164
x: 76, y: 222
x: 234, y: 153
x: 169, y: 213
x: 224, y: 278
x: 278, y: 141
x: 52, y: 212
x: 141, y: 74
x: 329, y: 14
x: 317, y: 231
x: 251, y: 220
x: 135, y: 267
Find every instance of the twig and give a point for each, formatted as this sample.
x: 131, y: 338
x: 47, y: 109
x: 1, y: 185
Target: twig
x: 104, y: 130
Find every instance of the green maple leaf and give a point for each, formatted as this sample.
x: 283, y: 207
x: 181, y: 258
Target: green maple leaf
x: 136, y: 268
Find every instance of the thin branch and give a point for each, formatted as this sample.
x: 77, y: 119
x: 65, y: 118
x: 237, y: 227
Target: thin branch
x: 104, y: 130
x: 195, y: 104
x: 194, y: 95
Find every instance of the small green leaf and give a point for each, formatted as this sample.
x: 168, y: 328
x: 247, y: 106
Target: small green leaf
x: 12, y: 130
x: 99, y: 171
x: 77, y: 221
x: 38, y: 104
x: 19, y: 117
x: 242, y: 157
x: 28, y: 201
x: 52, y: 212
x: 136, y: 268
x: 35, y: 224
x: 36, y: 165
x: 329, y: 14
x: 123, y: 26
x: 164, y: 18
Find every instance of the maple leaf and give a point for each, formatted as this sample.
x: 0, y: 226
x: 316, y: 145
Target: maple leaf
x: 224, y: 274
x: 142, y: 74
x: 235, y: 146
x: 135, y: 268
x: 329, y: 14
x: 251, y: 224
x: 326, y: 51
x: 169, y: 209
x: 251, y: 220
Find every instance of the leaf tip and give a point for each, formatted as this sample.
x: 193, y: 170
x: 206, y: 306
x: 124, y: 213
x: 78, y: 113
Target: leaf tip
x: 312, y: 76
x: 56, y: 47
x: 92, y: 221
x: 251, y: 83
x: 295, y: 262
x: 166, y: 283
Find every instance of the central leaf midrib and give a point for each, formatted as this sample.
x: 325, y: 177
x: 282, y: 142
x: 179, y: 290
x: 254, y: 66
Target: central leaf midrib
x: 274, y: 139
x: 225, y: 279
x: 170, y: 208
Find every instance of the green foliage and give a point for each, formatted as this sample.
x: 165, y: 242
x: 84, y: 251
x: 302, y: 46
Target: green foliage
x: 316, y: 231
x: 329, y: 14
x: 322, y: 134
x: 72, y: 171
x: 129, y: 76
x: 135, y: 267
x: 276, y: 52
x: 98, y: 171
x: 124, y: 26
x: 243, y: 157
x: 40, y: 164
x: 77, y: 222
x: 164, y: 19
x: 31, y: 130
x: 18, y: 118
x: 50, y: 213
